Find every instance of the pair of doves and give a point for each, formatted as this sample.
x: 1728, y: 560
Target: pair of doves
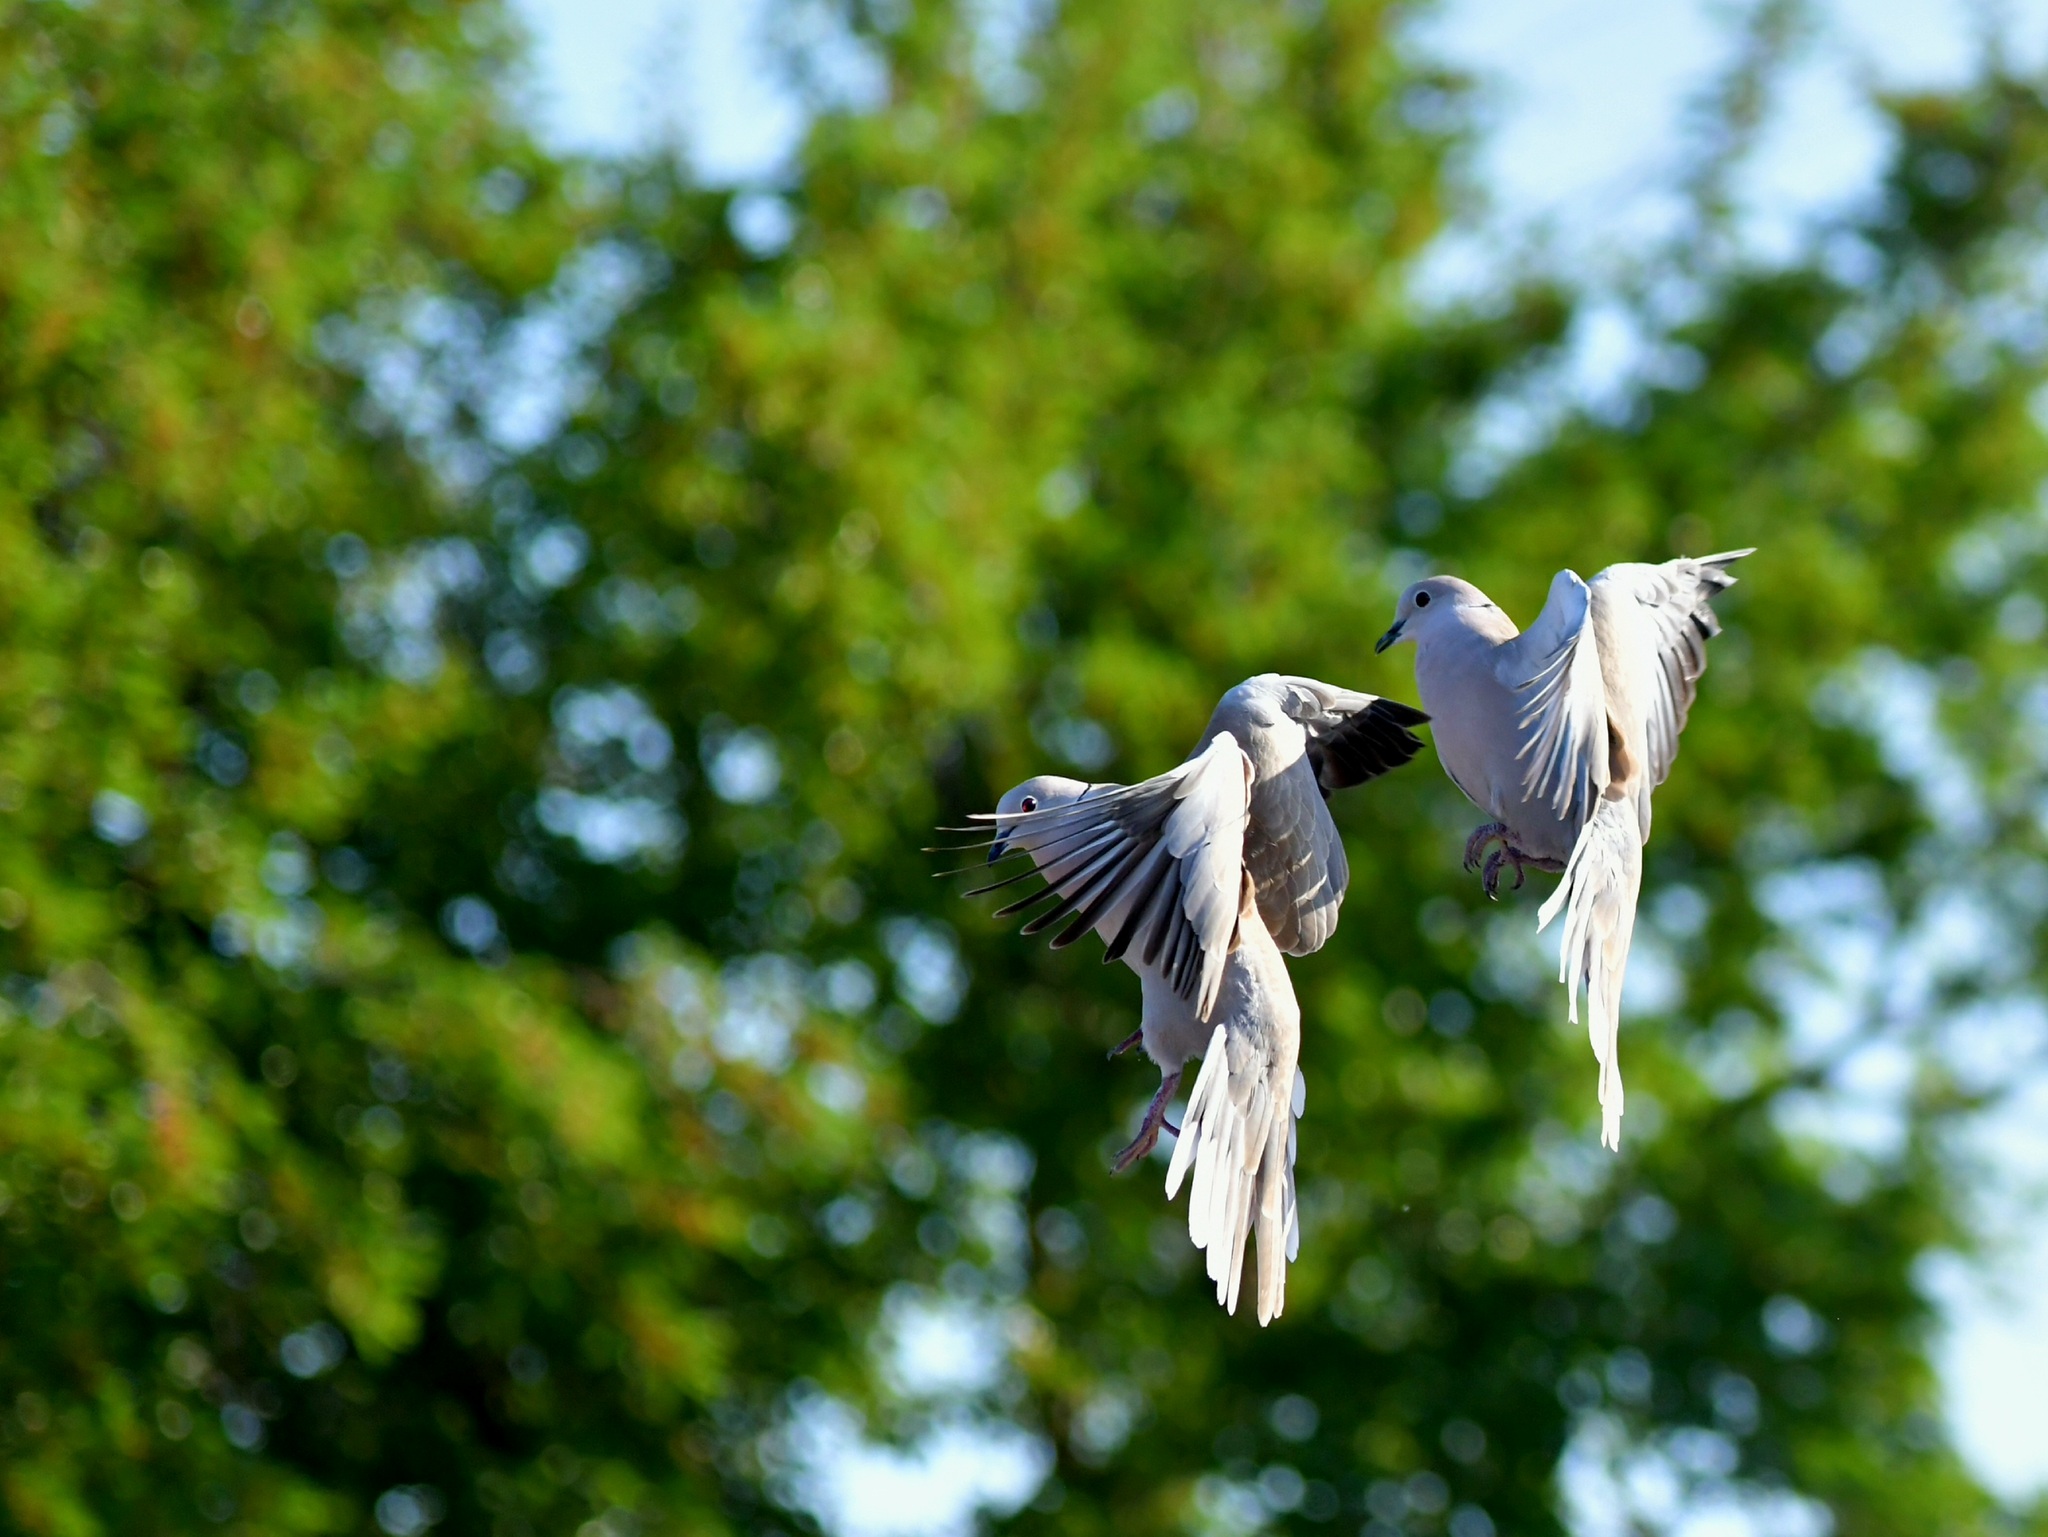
x: 1202, y: 878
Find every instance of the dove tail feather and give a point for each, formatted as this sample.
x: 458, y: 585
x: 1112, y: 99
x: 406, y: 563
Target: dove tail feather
x: 1237, y: 1141
x: 1598, y: 899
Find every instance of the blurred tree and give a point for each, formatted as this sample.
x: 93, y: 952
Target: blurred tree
x: 488, y: 638
x: 323, y: 1206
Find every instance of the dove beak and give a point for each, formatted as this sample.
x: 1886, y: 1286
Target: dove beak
x: 1390, y: 637
x: 999, y: 848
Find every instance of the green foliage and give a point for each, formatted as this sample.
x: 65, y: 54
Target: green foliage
x: 483, y: 649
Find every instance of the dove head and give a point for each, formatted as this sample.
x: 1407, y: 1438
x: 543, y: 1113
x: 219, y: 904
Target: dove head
x: 1430, y: 605
x: 1042, y: 792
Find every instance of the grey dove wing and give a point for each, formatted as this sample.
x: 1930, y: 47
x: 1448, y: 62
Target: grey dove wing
x: 1291, y: 846
x: 1560, y: 734
x: 1352, y: 737
x: 1648, y: 626
x: 1154, y: 867
x: 1578, y: 732
x: 1666, y: 610
x: 1296, y: 859
x: 1305, y: 738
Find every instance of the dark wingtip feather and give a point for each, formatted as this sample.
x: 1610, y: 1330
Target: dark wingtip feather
x: 1092, y: 887
x: 1009, y: 880
x: 1373, y: 742
x: 1072, y: 931
x: 968, y: 848
x: 1023, y: 904
x: 1400, y: 714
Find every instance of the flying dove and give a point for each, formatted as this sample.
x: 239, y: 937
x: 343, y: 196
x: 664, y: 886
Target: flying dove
x: 1560, y: 734
x: 1199, y: 880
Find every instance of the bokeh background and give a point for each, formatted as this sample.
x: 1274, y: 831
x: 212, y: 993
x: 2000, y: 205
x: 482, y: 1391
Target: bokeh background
x: 520, y: 521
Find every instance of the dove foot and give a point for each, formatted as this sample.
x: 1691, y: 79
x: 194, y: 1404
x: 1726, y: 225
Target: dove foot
x: 1492, y: 832
x: 1155, y: 1118
x: 1508, y: 854
x: 1126, y: 1044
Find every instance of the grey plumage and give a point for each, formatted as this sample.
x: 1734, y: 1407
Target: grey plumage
x: 1239, y: 1134
x: 1199, y: 879
x: 1305, y: 737
x: 1561, y: 734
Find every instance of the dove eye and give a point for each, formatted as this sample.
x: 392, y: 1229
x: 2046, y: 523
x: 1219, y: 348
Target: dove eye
x: 1422, y: 600
x: 1030, y: 803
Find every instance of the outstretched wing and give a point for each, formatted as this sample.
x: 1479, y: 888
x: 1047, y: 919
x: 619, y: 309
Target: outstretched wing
x: 1296, y: 858
x: 1666, y: 614
x: 1154, y: 867
x: 1352, y: 737
x: 1553, y: 669
x: 1307, y: 737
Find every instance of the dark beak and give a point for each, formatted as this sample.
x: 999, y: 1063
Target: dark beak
x: 999, y: 848
x: 1389, y: 638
